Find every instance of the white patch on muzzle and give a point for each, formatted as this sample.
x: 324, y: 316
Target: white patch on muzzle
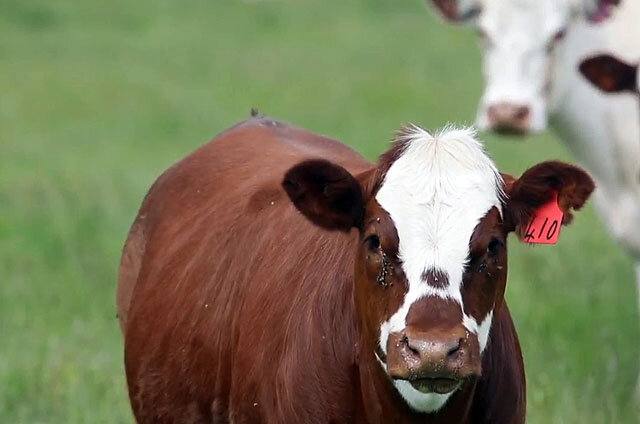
x: 436, y: 192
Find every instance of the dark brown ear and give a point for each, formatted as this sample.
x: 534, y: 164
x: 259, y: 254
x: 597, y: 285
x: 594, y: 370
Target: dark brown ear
x: 457, y: 10
x: 537, y: 186
x: 326, y: 193
x: 600, y: 10
x: 508, y: 180
x: 610, y: 74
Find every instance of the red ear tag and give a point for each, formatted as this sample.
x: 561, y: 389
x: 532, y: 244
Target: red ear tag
x: 544, y: 227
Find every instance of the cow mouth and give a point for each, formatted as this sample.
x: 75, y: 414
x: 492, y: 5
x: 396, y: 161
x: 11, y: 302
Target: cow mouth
x: 509, y: 130
x: 440, y: 385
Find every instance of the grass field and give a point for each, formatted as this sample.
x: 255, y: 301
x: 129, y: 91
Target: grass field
x: 97, y: 98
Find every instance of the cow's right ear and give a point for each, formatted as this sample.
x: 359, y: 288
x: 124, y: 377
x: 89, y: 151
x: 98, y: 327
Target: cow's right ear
x: 326, y: 193
x: 610, y: 74
x: 457, y: 10
x: 537, y: 186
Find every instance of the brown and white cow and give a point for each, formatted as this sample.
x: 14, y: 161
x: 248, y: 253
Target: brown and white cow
x: 275, y: 275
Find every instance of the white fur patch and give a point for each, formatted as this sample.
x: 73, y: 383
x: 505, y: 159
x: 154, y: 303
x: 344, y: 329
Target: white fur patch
x: 436, y: 192
x: 423, y: 402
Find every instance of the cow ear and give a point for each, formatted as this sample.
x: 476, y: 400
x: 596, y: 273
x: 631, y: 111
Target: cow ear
x: 538, y: 185
x: 610, y: 74
x: 508, y: 180
x: 457, y: 10
x: 326, y: 193
x: 600, y: 10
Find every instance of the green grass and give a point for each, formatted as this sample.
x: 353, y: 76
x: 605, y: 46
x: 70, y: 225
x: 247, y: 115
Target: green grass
x: 97, y: 98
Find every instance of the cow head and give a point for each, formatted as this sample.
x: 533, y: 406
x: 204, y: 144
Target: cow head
x: 611, y: 75
x: 519, y: 43
x: 431, y: 261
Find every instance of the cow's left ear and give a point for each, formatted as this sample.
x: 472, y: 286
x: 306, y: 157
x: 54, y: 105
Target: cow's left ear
x: 326, y: 193
x: 610, y: 74
x: 538, y: 185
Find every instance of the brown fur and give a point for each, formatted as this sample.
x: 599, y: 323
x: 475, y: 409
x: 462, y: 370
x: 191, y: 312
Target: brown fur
x: 610, y: 74
x: 435, y: 278
x: 236, y: 308
x: 536, y: 186
x: 129, y: 267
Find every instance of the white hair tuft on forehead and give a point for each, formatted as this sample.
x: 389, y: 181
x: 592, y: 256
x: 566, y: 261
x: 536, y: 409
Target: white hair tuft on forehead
x: 448, y: 150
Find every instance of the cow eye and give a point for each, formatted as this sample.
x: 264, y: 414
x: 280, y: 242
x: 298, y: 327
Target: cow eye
x: 494, y: 246
x: 373, y: 242
x: 559, y: 35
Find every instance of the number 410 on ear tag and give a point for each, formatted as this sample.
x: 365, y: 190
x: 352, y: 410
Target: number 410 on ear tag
x: 544, y: 227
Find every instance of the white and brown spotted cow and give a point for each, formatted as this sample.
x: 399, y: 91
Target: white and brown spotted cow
x: 276, y: 276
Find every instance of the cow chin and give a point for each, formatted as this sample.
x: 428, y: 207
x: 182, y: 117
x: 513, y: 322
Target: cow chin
x: 427, y: 367
x: 422, y: 402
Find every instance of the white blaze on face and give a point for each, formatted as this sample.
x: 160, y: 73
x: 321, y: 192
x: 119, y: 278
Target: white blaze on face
x: 436, y: 192
x: 518, y: 52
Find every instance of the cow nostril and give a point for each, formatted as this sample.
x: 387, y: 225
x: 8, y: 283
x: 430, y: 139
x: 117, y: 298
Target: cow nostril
x: 522, y: 113
x: 413, y: 349
x: 507, y: 116
x: 454, y: 347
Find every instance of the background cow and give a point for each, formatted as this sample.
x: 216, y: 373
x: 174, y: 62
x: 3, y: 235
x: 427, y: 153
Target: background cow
x: 532, y: 51
x: 275, y: 275
x: 612, y: 75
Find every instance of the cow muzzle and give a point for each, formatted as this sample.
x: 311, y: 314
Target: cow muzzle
x: 505, y: 117
x: 433, y: 362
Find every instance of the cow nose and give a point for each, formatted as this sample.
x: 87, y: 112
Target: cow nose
x: 431, y: 357
x: 433, y: 352
x: 508, y: 117
x: 433, y: 361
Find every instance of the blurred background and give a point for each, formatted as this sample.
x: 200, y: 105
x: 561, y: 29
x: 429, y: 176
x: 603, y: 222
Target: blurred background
x: 97, y: 98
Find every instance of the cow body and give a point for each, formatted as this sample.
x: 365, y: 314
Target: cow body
x: 237, y: 309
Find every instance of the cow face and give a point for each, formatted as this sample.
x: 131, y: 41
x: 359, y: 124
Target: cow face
x: 431, y: 262
x: 519, y: 43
